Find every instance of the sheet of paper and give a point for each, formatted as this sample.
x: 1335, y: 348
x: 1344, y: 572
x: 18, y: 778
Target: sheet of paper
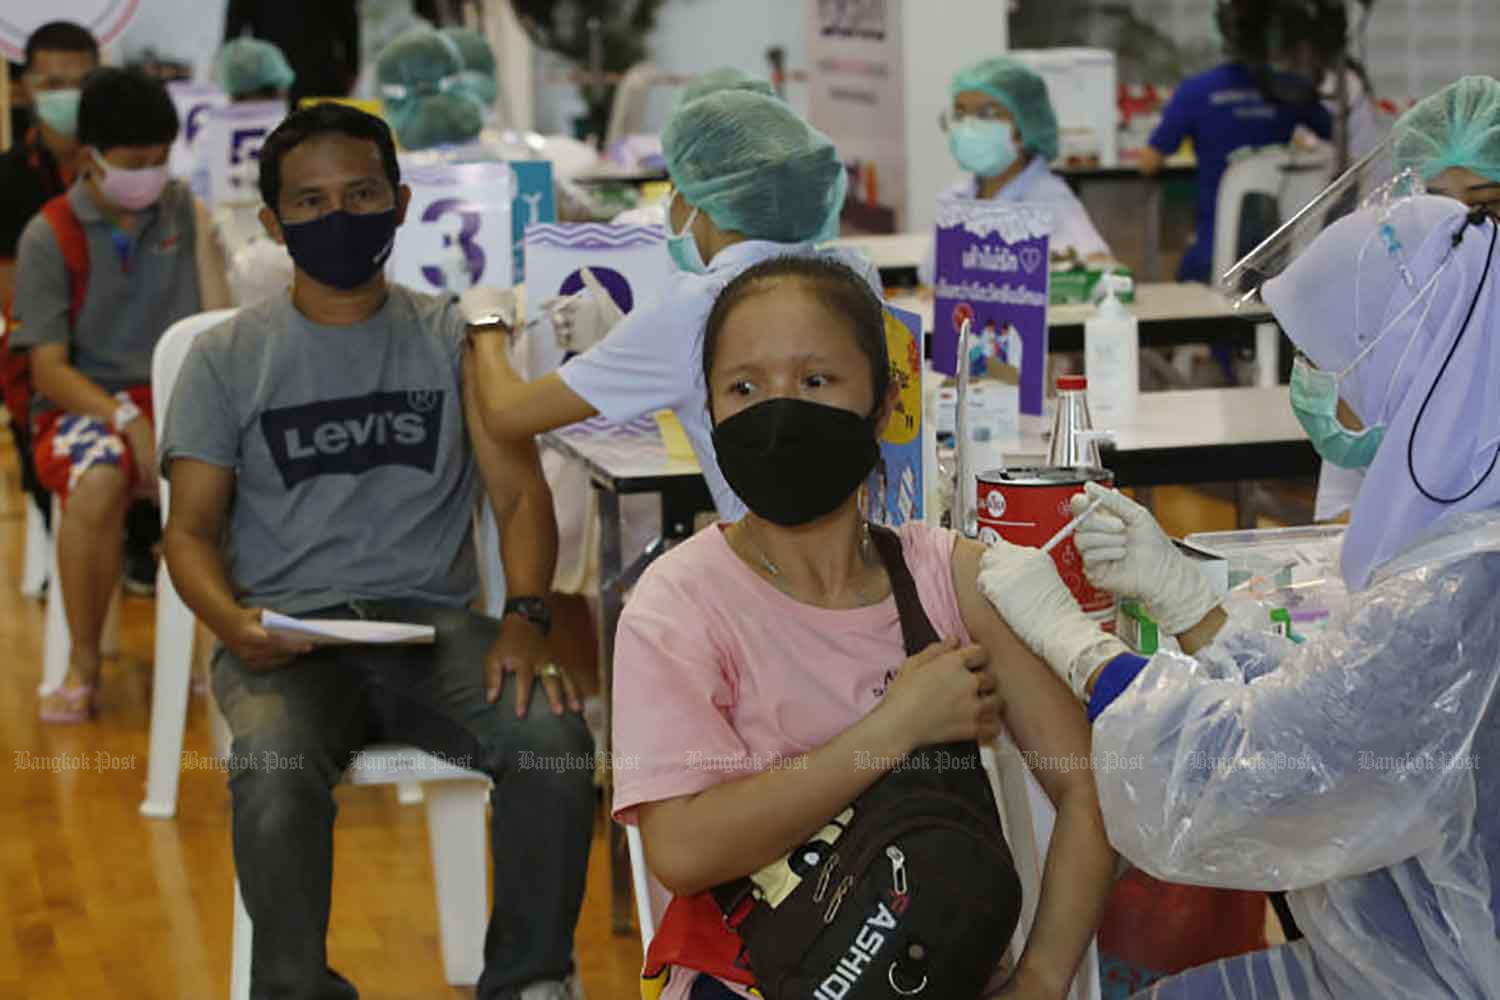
x: 346, y: 632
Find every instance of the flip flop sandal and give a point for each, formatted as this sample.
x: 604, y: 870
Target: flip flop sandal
x: 78, y: 705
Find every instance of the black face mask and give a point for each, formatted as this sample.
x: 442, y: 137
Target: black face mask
x: 793, y: 461
x: 341, y: 249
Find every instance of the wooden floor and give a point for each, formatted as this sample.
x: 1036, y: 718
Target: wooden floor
x: 96, y: 901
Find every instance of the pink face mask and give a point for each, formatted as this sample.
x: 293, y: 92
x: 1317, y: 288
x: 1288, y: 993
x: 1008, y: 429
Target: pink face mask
x: 132, y: 190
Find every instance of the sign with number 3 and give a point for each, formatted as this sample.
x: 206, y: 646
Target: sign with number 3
x: 457, y: 232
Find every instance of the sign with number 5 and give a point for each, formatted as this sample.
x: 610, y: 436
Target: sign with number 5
x: 228, y: 145
x: 193, y: 100
x: 457, y: 232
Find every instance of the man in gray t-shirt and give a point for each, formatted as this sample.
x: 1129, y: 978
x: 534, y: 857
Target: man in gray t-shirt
x: 325, y: 460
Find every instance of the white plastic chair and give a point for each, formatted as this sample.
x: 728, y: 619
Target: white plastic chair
x: 456, y: 799
x: 1291, y: 179
x: 36, y: 565
x: 174, y: 622
x: 1026, y: 815
x: 627, y: 113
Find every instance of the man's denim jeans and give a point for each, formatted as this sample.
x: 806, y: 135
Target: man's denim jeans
x: 297, y: 727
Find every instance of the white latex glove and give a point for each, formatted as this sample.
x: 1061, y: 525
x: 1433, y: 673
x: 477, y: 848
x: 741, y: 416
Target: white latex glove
x: 484, y: 301
x: 582, y: 319
x: 1126, y: 553
x: 1024, y: 586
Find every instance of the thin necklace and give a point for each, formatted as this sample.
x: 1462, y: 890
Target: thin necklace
x: 774, y: 571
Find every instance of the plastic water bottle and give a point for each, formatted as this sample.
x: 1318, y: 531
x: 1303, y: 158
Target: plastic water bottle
x: 1112, y: 358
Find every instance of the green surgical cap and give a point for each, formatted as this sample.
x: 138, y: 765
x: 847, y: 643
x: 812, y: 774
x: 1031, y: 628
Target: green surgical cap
x: 754, y: 166
x: 246, y: 65
x: 427, y: 100
x: 1459, y: 126
x: 723, y: 78
x: 1024, y: 94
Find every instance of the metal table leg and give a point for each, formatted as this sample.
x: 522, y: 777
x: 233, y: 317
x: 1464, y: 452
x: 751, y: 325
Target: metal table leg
x: 1267, y: 354
x: 1153, y: 214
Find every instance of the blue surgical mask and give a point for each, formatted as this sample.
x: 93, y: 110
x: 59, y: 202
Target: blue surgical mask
x: 1315, y: 401
x: 58, y: 109
x: 984, y: 148
x: 681, y: 245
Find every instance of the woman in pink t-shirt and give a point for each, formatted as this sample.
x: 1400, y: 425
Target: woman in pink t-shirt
x: 761, y: 681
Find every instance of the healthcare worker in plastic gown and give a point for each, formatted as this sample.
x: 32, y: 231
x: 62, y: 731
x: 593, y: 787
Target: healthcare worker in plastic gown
x: 1360, y: 770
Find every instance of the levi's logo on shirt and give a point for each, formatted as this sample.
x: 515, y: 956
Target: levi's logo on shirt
x: 356, y: 434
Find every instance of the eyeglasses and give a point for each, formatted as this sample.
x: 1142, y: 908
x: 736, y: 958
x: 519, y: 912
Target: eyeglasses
x: 988, y: 113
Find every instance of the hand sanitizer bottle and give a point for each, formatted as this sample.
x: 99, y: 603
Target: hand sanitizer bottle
x: 1111, y: 358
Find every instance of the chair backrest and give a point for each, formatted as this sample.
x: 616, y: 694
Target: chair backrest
x: 651, y: 897
x: 1259, y: 192
x: 627, y: 115
x: 166, y: 362
x: 170, y: 352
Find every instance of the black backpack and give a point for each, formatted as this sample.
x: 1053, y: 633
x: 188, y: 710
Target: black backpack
x: 909, y: 892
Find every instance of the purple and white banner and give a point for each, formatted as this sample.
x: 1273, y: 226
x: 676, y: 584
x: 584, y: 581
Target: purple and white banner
x: 457, y: 232
x: 992, y: 270
x: 631, y: 263
x: 227, y: 149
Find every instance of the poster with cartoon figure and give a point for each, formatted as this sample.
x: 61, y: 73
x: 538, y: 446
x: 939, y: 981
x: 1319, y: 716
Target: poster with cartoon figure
x: 630, y: 262
x: 893, y: 493
x: 457, y: 229
x: 992, y: 271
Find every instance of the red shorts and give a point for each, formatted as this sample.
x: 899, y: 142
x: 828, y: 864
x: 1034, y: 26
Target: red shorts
x: 67, y: 445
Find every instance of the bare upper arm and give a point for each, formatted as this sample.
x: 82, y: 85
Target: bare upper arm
x: 7, y: 280
x: 660, y: 822
x: 201, y: 493
x: 507, y: 465
x: 1043, y: 717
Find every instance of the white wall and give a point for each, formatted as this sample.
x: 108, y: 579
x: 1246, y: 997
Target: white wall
x: 178, y: 30
x: 933, y: 49
x: 693, y: 36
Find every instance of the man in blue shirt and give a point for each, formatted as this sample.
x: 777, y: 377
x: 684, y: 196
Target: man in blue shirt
x: 1235, y: 105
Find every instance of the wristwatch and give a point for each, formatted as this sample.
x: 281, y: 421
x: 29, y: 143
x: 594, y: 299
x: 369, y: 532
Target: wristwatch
x: 533, y: 609
x: 125, y: 414
x: 498, y: 322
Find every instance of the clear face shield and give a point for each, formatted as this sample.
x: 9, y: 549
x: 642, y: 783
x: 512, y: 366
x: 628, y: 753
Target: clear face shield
x: 1372, y: 182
